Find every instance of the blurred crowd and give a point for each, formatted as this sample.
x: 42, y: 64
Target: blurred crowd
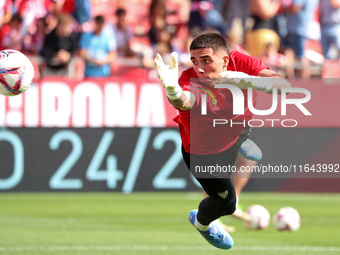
x: 86, y: 38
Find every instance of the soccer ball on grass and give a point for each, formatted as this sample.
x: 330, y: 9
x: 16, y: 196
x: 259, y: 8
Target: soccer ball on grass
x: 259, y: 217
x: 287, y: 218
x: 16, y: 73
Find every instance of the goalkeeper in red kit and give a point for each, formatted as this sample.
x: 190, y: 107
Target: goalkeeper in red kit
x: 203, y: 145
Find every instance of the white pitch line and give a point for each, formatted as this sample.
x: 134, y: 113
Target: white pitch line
x: 160, y: 248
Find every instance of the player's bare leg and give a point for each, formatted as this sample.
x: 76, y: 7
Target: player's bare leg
x: 248, y: 155
x: 240, y: 180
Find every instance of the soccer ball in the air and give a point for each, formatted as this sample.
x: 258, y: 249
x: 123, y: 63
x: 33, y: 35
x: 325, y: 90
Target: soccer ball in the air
x: 16, y: 73
x: 287, y: 218
x: 259, y: 217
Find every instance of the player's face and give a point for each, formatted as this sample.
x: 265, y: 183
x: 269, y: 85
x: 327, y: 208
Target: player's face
x: 209, y: 64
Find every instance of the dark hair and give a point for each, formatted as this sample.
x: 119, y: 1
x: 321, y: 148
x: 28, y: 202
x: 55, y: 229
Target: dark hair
x: 99, y: 19
x: 17, y: 17
x: 209, y: 40
x: 43, y: 20
x: 120, y: 11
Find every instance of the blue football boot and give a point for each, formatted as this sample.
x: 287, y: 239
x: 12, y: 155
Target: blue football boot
x: 215, y: 235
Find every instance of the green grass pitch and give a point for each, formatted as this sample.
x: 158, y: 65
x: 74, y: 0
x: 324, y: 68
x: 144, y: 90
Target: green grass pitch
x: 155, y: 223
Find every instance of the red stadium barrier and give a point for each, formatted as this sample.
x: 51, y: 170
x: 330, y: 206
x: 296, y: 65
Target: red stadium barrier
x: 123, y: 101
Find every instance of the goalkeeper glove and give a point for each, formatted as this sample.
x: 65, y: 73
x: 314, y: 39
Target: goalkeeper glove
x: 244, y: 81
x: 169, y: 76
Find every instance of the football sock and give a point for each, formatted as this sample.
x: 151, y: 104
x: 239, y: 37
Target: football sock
x: 201, y: 227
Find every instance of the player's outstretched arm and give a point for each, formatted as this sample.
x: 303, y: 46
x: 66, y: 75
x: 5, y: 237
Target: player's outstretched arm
x: 276, y: 81
x: 265, y: 81
x: 169, y: 76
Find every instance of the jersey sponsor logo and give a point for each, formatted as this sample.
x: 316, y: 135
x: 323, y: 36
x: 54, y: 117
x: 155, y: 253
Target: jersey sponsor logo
x: 212, y: 96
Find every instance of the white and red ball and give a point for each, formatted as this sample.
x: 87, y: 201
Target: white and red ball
x: 259, y: 217
x: 16, y: 73
x: 287, y: 218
